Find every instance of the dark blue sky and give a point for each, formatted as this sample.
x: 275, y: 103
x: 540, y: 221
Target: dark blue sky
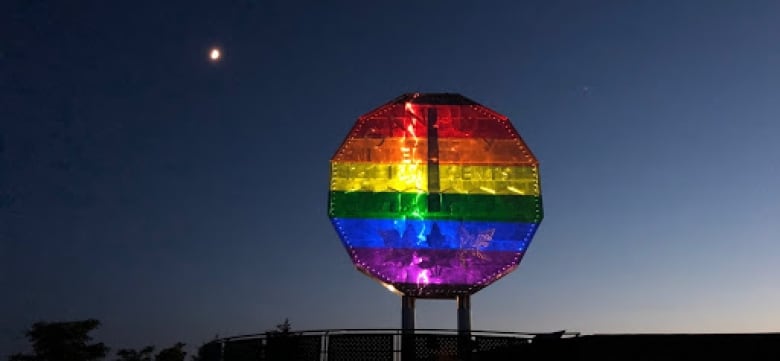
x: 175, y: 199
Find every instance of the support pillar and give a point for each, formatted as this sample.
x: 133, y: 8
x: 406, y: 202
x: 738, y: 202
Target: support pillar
x: 464, y: 327
x: 407, y: 328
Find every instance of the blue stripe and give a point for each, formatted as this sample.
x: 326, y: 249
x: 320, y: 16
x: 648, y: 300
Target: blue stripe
x: 419, y: 234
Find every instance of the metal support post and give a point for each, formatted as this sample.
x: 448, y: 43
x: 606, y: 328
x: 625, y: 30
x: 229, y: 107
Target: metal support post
x: 407, y: 328
x: 464, y: 327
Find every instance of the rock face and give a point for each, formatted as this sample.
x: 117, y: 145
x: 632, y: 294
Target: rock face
x: 434, y: 195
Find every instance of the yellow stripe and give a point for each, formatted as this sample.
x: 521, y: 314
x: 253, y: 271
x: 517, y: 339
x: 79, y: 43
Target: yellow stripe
x: 455, y: 179
x: 511, y: 152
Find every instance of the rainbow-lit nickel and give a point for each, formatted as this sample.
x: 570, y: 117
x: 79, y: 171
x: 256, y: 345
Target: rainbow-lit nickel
x: 434, y: 195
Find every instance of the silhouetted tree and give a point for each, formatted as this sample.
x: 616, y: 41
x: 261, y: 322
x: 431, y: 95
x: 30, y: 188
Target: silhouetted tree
x: 63, y: 341
x: 283, y: 328
x: 281, y: 343
x: 199, y: 355
x: 203, y: 353
x: 209, y: 351
x: 20, y: 357
x: 173, y: 353
x: 144, y: 354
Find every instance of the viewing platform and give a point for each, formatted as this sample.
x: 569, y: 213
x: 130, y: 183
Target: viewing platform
x: 439, y: 344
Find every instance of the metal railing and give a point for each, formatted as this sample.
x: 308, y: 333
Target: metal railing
x: 370, y: 344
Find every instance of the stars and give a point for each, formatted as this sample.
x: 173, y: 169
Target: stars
x: 586, y: 90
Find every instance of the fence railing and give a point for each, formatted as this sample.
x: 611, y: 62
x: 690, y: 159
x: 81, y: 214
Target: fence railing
x: 370, y: 344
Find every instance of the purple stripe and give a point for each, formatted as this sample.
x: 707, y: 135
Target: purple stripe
x: 427, y: 268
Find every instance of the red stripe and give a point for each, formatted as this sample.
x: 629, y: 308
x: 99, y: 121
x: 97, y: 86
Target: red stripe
x: 453, y: 121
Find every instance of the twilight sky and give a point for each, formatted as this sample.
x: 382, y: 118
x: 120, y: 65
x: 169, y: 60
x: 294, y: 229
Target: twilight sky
x: 176, y: 199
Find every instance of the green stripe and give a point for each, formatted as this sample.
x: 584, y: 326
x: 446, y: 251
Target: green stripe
x: 467, y: 207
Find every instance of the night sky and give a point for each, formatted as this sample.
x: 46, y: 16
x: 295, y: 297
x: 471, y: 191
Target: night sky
x: 175, y: 198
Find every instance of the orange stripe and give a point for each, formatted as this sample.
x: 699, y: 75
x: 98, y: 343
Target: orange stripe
x: 473, y: 151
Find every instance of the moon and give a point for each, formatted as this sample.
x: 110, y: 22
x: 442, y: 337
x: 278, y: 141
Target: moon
x: 215, y: 54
